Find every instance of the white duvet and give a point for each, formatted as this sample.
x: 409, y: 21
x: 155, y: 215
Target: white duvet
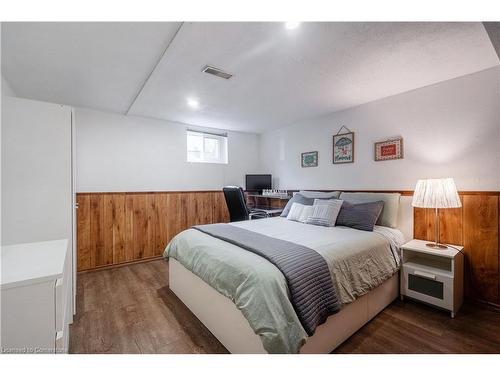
x: 358, y: 260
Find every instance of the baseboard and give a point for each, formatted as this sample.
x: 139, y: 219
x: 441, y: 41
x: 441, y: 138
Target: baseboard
x: 115, y: 265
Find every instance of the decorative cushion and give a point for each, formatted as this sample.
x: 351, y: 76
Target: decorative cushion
x: 389, y: 215
x: 324, y: 212
x: 362, y: 216
x: 320, y: 194
x: 334, y: 202
x: 306, y: 212
x: 297, y: 198
x: 296, y: 211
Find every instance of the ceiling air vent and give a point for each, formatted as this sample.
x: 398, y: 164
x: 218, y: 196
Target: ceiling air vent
x: 216, y: 72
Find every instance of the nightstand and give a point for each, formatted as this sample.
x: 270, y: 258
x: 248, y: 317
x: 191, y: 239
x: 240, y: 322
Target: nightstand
x: 433, y: 276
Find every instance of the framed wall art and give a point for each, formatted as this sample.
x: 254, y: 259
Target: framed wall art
x: 309, y: 159
x: 389, y: 150
x: 343, y: 148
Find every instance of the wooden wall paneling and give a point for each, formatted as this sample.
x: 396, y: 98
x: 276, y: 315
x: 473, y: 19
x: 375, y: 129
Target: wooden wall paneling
x: 199, y: 209
x: 141, y: 226
x: 129, y: 228
x: 151, y: 225
x: 207, y: 215
x: 191, y: 213
x: 98, y: 255
x: 424, y: 221
x: 420, y: 223
x: 480, y: 233
x: 162, y: 235
x: 135, y: 206
x: 177, y: 213
x: 83, y: 250
x: 114, y: 228
x: 220, y: 211
x: 451, y: 226
x: 430, y: 224
x: 450, y: 221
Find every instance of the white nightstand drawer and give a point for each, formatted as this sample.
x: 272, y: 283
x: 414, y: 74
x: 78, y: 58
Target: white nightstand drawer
x: 427, y: 286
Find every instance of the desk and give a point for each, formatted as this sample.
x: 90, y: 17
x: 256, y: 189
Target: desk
x: 270, y: 211
x: 267, y: 202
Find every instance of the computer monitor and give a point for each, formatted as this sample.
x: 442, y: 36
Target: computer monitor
x: 258, y: 182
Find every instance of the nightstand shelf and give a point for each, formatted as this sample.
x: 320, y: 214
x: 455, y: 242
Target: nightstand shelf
x: 433, y: 276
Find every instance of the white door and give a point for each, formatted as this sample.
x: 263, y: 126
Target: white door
x: 37, y: 196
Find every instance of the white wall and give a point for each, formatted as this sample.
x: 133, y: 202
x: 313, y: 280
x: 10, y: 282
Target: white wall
x: 450, y: 129
x: 126, y: 153
x: 6, y: 88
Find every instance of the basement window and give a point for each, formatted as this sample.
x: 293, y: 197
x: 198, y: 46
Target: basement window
x: 206, y: 147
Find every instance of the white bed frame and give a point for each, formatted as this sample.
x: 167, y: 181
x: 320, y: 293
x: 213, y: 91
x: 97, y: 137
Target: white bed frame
x: 221, y: 316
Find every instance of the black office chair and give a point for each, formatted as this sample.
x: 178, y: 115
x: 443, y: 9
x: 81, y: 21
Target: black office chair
x: 238, y: 210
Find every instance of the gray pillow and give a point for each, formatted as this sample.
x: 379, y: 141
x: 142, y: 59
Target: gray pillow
x: 362, y: 216
x: 297, y: 198
x: 389, y: 214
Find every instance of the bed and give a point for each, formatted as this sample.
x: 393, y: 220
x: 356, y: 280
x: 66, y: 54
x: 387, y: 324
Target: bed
x: 244, y: 301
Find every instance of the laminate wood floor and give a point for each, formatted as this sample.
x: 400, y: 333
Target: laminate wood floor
x: 130, y: 309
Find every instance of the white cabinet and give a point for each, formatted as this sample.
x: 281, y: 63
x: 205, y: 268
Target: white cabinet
x: 35, y: 297
x: 37, y: 173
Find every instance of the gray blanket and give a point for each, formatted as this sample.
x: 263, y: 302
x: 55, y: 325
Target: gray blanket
x: 312, y: 293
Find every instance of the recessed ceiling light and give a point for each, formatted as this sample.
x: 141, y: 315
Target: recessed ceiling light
x: 193, y: 103
x: 292, y: 25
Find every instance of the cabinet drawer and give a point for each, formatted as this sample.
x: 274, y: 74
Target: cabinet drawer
x: 425, y: 285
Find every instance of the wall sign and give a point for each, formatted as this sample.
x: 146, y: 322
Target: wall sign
x: 343, y: 148
x: 309, y: 159
x: 389, y: 150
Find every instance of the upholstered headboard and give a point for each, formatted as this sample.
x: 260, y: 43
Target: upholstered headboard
x: 405, y: 216
x: 404, y: 221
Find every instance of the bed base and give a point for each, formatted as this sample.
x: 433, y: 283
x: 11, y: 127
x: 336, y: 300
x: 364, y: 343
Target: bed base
x: 221, y: 316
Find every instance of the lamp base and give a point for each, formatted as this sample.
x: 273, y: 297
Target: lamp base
x: 436, y: 246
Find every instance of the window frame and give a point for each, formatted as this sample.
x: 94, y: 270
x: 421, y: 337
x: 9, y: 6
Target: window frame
x: 222, y: 138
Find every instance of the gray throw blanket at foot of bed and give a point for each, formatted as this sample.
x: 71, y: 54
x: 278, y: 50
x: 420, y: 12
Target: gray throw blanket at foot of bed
x: 312, y: 293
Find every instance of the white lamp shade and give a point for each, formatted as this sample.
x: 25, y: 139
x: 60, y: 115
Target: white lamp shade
x: 436, y: 193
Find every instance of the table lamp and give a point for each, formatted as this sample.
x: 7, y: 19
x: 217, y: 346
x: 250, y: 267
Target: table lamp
x: 436, y: 193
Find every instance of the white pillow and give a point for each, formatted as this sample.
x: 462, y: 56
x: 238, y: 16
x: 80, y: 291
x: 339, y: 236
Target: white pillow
x: 332, y: 202
x: 296, y: 211
x: 306, y: 212
x: 325, y: 212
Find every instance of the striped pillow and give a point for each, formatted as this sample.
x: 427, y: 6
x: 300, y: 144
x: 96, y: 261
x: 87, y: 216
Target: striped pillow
x: 324, y: 212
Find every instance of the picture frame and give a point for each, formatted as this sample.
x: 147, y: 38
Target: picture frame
x: 391, y: 149
x: 309, y: 159
x: 343, y: 148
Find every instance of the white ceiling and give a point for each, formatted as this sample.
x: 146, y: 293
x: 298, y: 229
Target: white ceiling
x: 94, y: 65
x: 280, y: 75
